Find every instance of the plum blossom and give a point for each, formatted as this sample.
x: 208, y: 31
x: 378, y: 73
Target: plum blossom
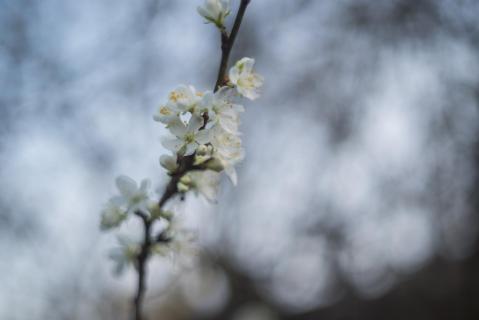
x: 205, y: 141
x: 182, y: 100
x: 131, y: 196
x: 215, y: 11
x: 125, y: 254
x: 185, y: 98
x: 247, y: 82
x: 222, y: 110
x: 168, y: 162
x: 203, y: 182
x: 188, y: 137
x: 167, y: 113
x: 228, y: 151
x: 112, y: 216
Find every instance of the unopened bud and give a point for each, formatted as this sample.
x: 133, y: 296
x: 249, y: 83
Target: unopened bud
x: 215, y: 165
x: 182, y: 187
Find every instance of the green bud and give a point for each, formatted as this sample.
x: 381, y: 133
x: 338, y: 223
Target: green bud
x: 168, y: 215
x: 202, y: 150
x: 186, y: 179
x: 215, y: 165
x: 155, y: 211
x: 200, y: 159
x: 182, y: 187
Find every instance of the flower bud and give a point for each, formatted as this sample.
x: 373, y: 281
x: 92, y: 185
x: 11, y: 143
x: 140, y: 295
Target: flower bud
x: 214, y: 164
x: 182, y: 187
x: 215, y: 11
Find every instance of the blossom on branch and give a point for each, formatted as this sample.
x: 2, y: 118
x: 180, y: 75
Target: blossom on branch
x: 203, y: 182
x: 205, y: 140
x: 125, y: 254
x: 112, y: 216
x: 133, y: 197
x: 188, y: 137
x: 247, y: 82
x: 215, y: 11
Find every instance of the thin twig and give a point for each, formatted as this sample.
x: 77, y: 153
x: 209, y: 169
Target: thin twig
x: 227, y: 44
x: 185, y: 164
x: 141, y: 265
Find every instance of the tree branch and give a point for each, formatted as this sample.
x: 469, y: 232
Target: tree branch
x: 227, y: 44
x: 141, y: 265
x: 185, y: 164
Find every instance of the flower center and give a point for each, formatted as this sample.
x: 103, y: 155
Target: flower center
x: 189, y: 137
x: 175, y: 96
x: 165, y: 111
x: 137, y: 198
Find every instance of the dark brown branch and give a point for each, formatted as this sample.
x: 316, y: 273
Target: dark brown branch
x: 227, y: 44
x: 185, y: 164
x: 141, y: 265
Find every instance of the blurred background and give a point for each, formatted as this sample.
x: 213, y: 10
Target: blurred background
x: 358, y: 195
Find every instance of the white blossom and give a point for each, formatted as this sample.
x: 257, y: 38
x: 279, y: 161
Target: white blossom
x: 181, y: 100
x: 247, y: 82
x: 167, y: 113
x: 228, y: 151
x: 222, y: 110
x: 168, y: 162
x: 203, y: 154
x: 185, y: 98
x: 112, y: 216
x: 178, y: 244
x: 204, y: 182
x: 215, y: 11
x: 188, y: 137
x: 204, y: 125
x: 125, y: 254
x: 132, y: 196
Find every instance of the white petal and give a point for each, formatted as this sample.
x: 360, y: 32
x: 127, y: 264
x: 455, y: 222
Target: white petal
x: 126, y: 185
x: 224, y: 93
x: 207, y: 100
x: 119, y: 201
x: 234, y: 75
x: 258, y: 80
x: 172, y: 144
x: 238, y: 107
x: 231, y: 173
x: 229, y: 125
x: 166, y: 113
x: 194, y: 124
x: 212, y: 7
x: 202, y: 11
x: 190, y: 149
x: 177, y: 127
x: 203, y: 136
x: 206, y: 183
x: 248, y: 64
x: 250, y: 94
x: 145, y: 185
x: 245, y: 65
x: 168, y: 162
x: 225, y: 4
x: 191, y: 92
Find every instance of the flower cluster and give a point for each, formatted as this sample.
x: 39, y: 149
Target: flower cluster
x: 204, y: 126
x: 204, y: 141
x: 131, y: 199
x: 138, y: 200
